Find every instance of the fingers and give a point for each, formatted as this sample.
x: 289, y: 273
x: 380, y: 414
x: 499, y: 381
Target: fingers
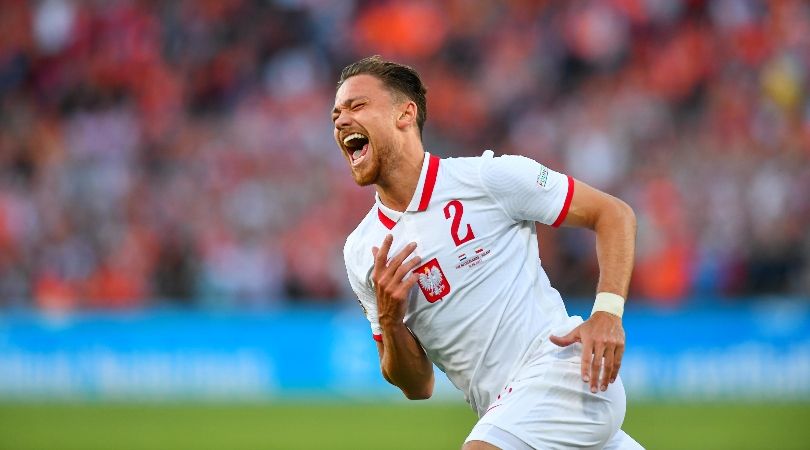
x: 396, y: 261
x: 566, y: 340
x: 602, y: 338
x: 404, y: 269
x: 381, y: 256
x: 612, y: 360
x: 391, y: 275
x: 604, y: 361
x: 617, y: 362
x: 596, y: 366
x: 587, y: 358
x: 609, y: 362
x: 407, y: 284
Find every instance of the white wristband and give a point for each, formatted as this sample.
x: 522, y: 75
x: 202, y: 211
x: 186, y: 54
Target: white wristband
x: 608, y: 302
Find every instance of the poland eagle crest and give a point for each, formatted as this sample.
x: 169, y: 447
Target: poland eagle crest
x: 432, y: 281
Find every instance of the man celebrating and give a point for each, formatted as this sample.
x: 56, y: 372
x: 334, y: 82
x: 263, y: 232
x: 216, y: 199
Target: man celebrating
x: 446, y: 267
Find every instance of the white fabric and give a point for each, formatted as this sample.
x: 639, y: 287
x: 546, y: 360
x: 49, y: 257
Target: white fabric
x: 622, y: 441
x: 493, y: 435
x: 547, y: 405
x: 525, y: 189
x: 499, y: 299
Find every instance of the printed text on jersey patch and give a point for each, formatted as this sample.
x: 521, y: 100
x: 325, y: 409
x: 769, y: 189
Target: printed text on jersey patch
x: 542, y: 178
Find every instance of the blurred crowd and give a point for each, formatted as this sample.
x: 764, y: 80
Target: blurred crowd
x: 181, y: 152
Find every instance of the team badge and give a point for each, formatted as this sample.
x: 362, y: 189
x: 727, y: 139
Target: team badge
x: 432, y: 281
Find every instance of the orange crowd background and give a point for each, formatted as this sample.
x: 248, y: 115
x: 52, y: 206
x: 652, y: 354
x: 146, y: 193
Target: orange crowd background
x: 180, y: 153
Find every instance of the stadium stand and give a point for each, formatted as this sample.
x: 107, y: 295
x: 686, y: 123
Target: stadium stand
x: 180, y: 152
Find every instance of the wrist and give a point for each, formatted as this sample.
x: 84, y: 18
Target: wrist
x: 389, y: 322
x: 610, y: 303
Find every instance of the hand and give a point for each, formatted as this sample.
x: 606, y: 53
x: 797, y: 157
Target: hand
x: 393, y: 280
x: 602, y: 336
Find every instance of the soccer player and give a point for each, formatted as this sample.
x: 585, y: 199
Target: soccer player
x: 447, y: 270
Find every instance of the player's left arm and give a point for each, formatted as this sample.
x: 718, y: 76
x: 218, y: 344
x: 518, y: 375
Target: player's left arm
x: 602, y: 335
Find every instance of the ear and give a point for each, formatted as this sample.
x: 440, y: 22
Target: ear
x: 406, y: 114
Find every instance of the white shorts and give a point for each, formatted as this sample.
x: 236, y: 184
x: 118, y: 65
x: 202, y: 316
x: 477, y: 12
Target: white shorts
x: 548, y: 406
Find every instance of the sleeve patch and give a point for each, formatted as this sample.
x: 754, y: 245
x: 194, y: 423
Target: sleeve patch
x: 542, y: 178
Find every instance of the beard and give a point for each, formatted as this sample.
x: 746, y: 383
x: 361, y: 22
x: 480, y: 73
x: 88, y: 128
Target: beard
x: 369, y: 171
x: 383, y: 161
x: 368, y: 175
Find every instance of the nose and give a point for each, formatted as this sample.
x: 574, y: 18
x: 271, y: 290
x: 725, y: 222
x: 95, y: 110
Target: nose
x: 342, y: 120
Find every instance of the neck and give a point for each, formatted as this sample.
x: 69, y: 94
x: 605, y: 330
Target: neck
x: 397, y: 184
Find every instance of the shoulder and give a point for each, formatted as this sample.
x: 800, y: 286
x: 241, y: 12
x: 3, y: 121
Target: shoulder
x: 487, y: 163
x: 513, y: 168
x: 465, y: 170
x: 356, y: 238
x: 508, y: 163
x: 492, y: 176
x: 357, y: 248
x: 467, y: 163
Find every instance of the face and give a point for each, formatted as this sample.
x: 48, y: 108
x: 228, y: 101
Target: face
x: 365, y: 125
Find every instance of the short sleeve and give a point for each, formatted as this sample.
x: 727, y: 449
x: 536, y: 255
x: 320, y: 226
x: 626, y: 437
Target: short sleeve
x: 360, y: 282
x: 526, y: 189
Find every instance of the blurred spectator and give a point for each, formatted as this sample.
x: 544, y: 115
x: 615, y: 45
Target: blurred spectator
x: 180, y: 153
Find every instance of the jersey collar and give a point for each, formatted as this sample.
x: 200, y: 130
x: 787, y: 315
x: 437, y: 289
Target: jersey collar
x: 421, y: 196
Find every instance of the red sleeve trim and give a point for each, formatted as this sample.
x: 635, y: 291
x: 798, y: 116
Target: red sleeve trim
x: 377, y: 337
x: 430, y: 182
x: 387, y: 221
x: 566, y: 205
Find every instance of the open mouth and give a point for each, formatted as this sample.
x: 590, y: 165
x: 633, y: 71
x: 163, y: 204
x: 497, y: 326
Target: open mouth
x: 357, y: 146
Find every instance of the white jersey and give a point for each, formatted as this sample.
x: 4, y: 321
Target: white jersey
x: 482, y: 297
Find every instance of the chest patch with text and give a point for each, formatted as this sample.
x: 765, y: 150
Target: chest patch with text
x: 473, y: 260
x: 432, y: 281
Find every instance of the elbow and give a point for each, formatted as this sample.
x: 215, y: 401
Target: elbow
x: 422, y: 393
x: 629, y: 216
x: 626, y: 213
x: 615, y: 215
x: 414, y: 391
x: 418, y: 396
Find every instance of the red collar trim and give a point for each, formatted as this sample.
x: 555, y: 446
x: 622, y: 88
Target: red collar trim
x: 427, y: 184
x: 387, y: 221
x: 430, y: 182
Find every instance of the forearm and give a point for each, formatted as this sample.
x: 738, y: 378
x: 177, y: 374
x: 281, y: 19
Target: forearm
x: 404, y: 363
x: 615, y: 247
x: 602, y: 335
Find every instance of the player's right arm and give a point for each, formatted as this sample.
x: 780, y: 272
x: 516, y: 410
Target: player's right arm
x: 402, y: 359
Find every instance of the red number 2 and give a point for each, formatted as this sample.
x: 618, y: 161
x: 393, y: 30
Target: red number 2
x: 458, y: 210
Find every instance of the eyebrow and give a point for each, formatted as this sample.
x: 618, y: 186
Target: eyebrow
x: 348, y: 102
